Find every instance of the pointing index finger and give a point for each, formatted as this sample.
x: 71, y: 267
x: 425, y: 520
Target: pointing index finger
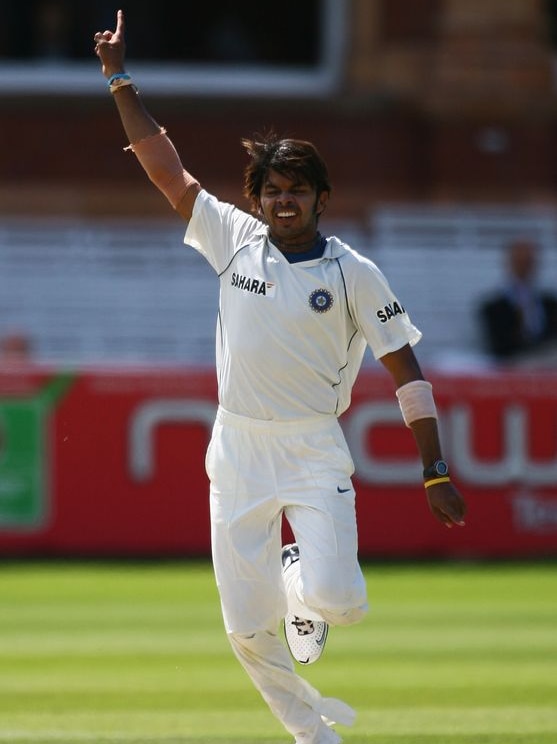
x: 120, y: 23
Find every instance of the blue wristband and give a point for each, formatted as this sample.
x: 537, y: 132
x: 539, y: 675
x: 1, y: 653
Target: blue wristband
x: 118, y: 76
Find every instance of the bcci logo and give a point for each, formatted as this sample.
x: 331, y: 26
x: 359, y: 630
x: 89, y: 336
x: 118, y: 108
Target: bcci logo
x: 321, y: 300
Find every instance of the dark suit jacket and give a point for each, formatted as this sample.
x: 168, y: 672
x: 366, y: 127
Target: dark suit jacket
x: 500, y: 320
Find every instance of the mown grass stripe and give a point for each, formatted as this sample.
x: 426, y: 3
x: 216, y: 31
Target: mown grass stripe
x: 135, y: 653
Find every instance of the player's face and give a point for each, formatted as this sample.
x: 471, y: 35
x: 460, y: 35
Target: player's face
x: 291, y: 208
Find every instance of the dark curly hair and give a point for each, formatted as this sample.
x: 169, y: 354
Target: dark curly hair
x: 289, y: 157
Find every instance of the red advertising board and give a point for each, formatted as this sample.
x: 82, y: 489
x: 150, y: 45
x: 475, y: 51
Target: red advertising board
x: 111, y: 463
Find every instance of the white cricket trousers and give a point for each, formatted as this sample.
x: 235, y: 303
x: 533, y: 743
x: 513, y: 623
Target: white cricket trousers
x: 260, y: 471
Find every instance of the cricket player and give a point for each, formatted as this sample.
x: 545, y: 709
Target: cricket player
x: 296, y: 313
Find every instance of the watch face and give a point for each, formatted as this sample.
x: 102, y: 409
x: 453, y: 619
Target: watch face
x: 441, y: 467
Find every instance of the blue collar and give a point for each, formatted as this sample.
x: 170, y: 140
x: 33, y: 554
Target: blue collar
x: 313, y: 253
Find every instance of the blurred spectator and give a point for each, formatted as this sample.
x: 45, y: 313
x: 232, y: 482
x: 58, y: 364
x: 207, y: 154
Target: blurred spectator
x: 520, y: 319
x: 52, y: 32
x: 15, y: 347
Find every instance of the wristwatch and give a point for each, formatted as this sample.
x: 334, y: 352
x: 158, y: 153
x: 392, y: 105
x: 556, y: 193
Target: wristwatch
x: 439, y: 469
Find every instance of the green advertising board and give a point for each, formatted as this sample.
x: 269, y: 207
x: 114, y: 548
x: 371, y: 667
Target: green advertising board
x: 24, y: 455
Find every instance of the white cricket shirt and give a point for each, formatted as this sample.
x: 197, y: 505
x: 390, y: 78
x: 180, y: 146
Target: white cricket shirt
x: 290, y: 338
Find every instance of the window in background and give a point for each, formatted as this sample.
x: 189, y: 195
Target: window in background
x: 193, y: 47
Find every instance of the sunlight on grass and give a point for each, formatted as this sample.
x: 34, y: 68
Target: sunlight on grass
x: 137, y: 654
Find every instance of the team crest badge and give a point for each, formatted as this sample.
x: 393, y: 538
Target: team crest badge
x: 321, y: 300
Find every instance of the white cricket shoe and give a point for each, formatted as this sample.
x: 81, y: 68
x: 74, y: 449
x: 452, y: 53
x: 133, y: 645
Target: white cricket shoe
x: 305, y: 638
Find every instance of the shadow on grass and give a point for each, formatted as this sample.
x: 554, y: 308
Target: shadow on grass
x: 530, y: 738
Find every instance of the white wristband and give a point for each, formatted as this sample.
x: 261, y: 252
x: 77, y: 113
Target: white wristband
x: 416, y: 401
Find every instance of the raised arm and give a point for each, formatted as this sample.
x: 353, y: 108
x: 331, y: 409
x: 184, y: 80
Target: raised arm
x: 148, y: 140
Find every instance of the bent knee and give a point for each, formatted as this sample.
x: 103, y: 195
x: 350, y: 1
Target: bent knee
x: 347, y: 617
x: 344, y: 607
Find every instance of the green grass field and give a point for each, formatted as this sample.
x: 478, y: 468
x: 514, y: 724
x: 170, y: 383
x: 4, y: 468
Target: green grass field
x: 136, y: 654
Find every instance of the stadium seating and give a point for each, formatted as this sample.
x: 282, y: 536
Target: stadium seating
x: 122, y: 292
